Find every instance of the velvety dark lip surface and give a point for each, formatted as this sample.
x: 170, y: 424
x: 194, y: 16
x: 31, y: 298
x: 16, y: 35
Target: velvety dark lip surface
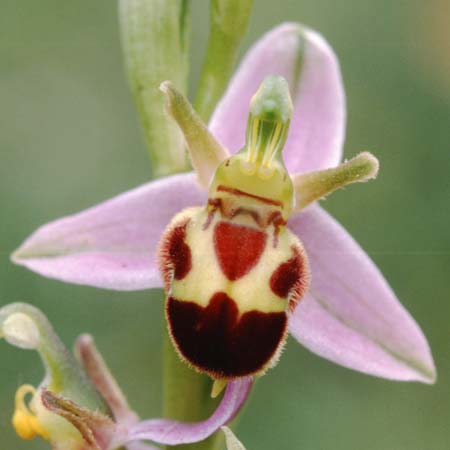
x: 216, y: 340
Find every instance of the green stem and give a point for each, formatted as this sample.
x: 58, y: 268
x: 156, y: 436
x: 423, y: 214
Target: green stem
x: 155, y: 45
x: 187, y: 396
x: 229, y: 20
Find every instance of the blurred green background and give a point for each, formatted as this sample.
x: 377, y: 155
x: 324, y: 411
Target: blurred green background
x: 69, y: 138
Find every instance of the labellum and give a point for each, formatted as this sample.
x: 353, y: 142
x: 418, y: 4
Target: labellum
x: 232, y: 270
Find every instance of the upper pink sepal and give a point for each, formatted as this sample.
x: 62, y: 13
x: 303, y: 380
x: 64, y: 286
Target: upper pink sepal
x: 351, y: 316
x: 112, y: 245
x: 310, y: 66
x: 173, y: 432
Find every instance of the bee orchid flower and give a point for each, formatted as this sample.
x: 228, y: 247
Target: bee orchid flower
x: 79, y: 405
x: 257, y: 237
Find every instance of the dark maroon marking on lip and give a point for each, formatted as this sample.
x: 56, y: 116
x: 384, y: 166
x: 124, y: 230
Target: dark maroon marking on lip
x: 238, y: 248
x: 277, y: 219
x: 290, y: 277
x: 230, y: 190
x: 215, y: 341
x: 175, y: 253
x: 213, y: 205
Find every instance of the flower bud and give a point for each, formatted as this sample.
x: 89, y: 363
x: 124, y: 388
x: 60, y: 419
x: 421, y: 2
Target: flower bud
x: 19, y: 329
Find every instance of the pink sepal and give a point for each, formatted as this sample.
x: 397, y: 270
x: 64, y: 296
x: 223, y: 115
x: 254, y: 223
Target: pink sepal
x: 111, y: 245
x: 308, y: 63
x: 351, y: 315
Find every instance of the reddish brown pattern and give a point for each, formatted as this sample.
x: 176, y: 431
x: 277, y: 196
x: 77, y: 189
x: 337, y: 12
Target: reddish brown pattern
x: 291, y: 277
x: 238, y: 248
x: 215, y: 340
x: 238, y: 192
x: 176, y: 259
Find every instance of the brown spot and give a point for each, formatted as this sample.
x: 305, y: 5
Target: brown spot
x: 291, y: 278
x: 277, y: 219
x: 239, y: 193
x: 213, y: 205
x: 238, y: 248
x: 175, y: 254
x: 216, y: 341
x: 229, y: 211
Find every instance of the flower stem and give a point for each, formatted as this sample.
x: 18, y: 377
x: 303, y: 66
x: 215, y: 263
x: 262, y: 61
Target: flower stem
x: 187, y: 396
x: 155, y: 45
x: 228, y: 25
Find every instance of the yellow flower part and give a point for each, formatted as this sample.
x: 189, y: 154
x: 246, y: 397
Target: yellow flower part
x: 31, y: 419
x: 24, y: 420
